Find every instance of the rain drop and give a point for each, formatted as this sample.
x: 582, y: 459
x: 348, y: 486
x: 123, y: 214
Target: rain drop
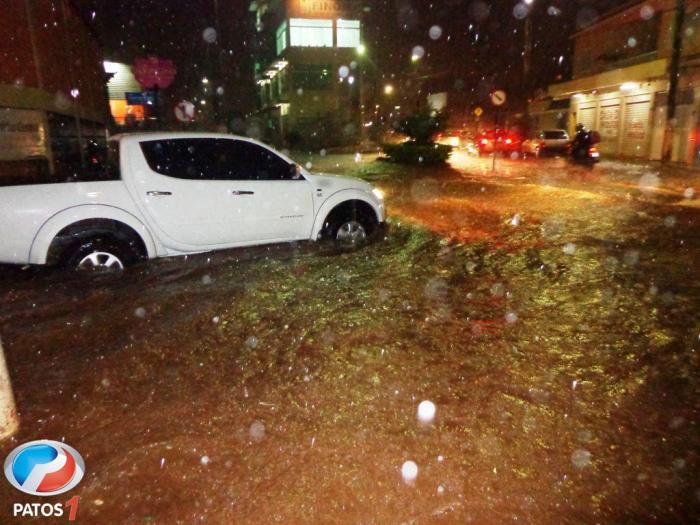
x: 581, y: 458
x: 435, y: 32
x: 646, y: 12
x: 520, y: 11
x: 426, y: 411
x: 569, y: 248
x: 209, y: 35
x: 409, y: 471
x: 257, y: 431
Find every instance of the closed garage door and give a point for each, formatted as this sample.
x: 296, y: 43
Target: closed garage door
x: 635, y: 139
x: 609, y: 126
x: 586, y: 116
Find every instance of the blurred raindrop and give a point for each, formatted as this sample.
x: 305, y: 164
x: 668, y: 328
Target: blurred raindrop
x: 649, y: 182
x: 581, y: 458
x: 409, y: 471
x: 479, y: 10
x: 426, y: 411
x: 586, y: 17
x: 257, y: 431
x: 435, y: 32
x: 520, y: 11
x: 646, y: 12
x: 209, y: 35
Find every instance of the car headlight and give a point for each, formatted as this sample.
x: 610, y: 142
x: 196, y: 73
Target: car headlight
x: 378, y: 193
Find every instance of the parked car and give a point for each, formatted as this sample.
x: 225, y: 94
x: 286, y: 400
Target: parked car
x: 449, y: 137
x: 164, y: 194
x: 499, y: 141
x: 548, y: 141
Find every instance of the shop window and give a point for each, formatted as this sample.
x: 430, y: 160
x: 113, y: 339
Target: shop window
x: 305, y: 32
x: 282, y: 38
x: 348, y: 33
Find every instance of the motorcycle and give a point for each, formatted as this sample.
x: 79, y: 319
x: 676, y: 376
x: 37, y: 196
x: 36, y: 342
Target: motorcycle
x: 583, y: 149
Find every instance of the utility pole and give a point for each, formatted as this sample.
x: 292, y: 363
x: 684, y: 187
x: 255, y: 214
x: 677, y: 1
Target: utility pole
x: 527, y: 61
x: 9, y: 422
x: 674, y: 73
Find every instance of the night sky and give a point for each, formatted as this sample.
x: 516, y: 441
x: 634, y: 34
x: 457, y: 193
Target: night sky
x: 479, y: 47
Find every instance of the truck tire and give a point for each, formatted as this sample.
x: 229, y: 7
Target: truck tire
x: 351, y: 224
x: 101, y: 253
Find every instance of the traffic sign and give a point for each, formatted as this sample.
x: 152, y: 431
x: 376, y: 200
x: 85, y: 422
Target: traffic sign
x: 498, y: 97
x: 184, y: 111
x: 478, y: 111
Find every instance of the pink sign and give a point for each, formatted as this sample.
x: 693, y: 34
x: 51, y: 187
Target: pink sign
x: 153, y: 71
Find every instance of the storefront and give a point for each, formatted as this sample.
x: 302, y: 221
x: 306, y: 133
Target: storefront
x: 52, y: 98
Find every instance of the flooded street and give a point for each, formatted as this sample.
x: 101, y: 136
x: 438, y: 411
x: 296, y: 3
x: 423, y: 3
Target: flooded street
x: 549, y: 312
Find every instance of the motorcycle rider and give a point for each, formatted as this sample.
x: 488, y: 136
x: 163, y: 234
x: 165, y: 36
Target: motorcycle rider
x: 581, y: 142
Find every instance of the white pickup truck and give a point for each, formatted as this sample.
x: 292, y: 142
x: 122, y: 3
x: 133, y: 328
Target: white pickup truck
x: 164, y: 194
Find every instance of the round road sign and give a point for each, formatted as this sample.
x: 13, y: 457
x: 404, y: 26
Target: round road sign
x: 498, y: 97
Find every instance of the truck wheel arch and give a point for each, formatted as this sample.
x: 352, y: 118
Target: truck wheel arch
x: 47, y: 244
x: 337, y: 202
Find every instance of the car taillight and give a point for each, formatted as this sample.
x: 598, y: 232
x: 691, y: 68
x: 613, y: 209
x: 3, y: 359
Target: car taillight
x: 484, y: 141
x: 509, y: 141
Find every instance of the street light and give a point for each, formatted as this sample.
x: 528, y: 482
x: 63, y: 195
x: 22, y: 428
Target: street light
x: 361, y: 49
x: 388, y: 89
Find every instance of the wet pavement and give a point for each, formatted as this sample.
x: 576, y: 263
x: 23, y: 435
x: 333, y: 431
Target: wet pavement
x: 549, y: 312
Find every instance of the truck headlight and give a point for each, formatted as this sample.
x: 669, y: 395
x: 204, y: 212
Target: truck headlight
x: 378, y: 193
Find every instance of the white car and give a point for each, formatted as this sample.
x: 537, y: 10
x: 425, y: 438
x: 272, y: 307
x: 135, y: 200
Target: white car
x: 547, y: 141
x: 170, y: 194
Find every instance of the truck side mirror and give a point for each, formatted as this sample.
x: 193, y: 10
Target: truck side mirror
x: 295, y: 171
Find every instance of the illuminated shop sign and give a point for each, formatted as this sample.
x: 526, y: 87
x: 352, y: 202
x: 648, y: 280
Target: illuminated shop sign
x: 321, y: 8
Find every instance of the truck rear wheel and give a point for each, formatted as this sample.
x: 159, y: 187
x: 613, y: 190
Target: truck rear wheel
x: 104, y: 254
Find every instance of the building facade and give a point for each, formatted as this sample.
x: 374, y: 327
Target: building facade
x: 121, y: 84
x: 308, y: 71
x: 52, y: 90
x: 620, y: 84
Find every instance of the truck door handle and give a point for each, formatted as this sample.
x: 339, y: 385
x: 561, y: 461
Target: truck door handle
x: 158, y: 193
x: 242, y: 192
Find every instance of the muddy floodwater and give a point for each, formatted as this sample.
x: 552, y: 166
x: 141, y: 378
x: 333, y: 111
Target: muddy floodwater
x: 548, y: 313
